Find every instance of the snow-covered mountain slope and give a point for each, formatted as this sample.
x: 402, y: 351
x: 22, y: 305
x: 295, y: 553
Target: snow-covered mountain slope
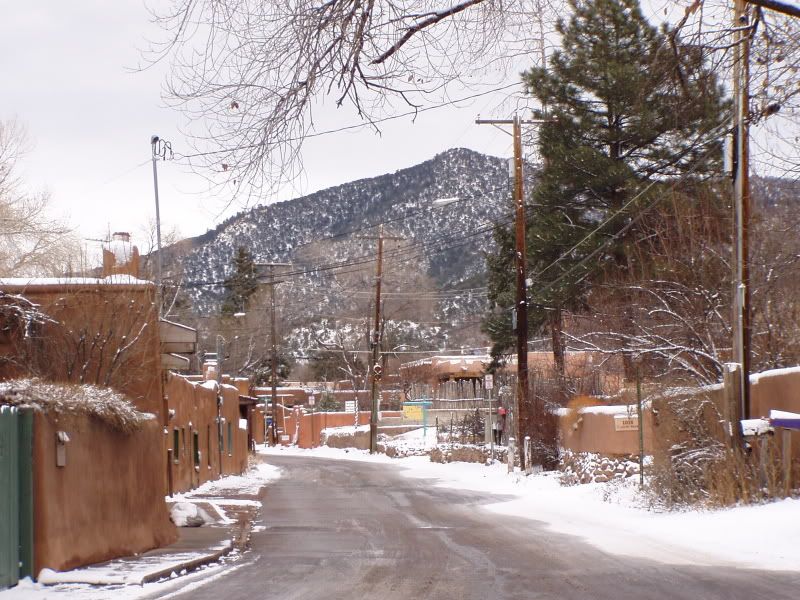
x: 333, y: 227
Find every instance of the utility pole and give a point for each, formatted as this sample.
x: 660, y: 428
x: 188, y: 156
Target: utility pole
x: 741, y: 199
x: 220, y: 398
x: 160, y: 149
x: 523, y: 418
x: 273, y: 342
x: 376, y: 343
x: 376, y: 369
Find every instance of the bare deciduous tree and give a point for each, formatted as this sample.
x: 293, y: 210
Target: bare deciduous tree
x: 31, y: 241
x: 256, y: 71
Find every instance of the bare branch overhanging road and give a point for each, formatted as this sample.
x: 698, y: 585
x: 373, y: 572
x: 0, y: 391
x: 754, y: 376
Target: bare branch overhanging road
x: 341, y: 529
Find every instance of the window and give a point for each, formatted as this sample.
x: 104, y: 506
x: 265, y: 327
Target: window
x: 176, y: 445
x: 196, y: 449
x: 230, y: 439
x: 183, y: 441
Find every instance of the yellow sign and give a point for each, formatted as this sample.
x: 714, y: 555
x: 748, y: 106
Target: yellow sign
x: 412, y: 412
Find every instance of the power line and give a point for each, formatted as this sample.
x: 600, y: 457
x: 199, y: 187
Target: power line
x: 358, y: 125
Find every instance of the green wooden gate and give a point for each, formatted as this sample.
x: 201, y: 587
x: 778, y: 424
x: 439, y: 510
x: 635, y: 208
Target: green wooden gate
x: 16, y: 495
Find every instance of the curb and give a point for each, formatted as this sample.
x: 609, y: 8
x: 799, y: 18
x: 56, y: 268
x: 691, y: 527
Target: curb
x: 188, y: 566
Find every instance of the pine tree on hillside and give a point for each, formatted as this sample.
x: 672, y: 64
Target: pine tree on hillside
x: 634, y: 111
x: 242, y: 284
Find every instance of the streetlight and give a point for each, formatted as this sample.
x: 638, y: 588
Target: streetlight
x: 160, y: 149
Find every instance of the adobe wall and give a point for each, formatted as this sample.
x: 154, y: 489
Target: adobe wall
x: 778, y: 389
x: 259, y: 424
x: 311, y: 425
x: 596, y: 432
x: 99, y: 312
x: 193, y: 410
x: 775, y: 390
x: 108, y: 501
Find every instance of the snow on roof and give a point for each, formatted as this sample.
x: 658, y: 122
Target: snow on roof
x: 105, y: 404
x: 118, y: 279
x: 122, y: 250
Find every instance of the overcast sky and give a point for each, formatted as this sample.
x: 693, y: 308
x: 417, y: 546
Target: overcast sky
x: 66, y: 76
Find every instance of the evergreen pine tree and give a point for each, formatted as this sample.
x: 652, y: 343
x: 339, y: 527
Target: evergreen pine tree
x: 632, y: 109
x: 242, y: 284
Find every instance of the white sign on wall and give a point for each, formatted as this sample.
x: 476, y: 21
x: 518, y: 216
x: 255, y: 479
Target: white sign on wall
x: 350, y: 406
x: 626, y: 423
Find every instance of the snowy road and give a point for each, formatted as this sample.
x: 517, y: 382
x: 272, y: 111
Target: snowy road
x: 347, y: 529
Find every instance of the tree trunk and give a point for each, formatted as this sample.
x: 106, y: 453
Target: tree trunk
x: 559, y: 363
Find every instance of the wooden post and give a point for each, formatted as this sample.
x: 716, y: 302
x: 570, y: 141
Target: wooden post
x: 786, y: 449
x: 732, y: 410
x: 640, y: 418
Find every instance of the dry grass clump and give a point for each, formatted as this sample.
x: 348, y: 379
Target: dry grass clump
x: 696, y: 462
x: 104, y: 404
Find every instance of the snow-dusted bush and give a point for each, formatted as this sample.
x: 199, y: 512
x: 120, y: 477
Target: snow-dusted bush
x: 104, y: 404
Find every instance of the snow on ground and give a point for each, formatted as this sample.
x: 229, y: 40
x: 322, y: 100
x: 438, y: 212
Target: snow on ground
x: 416, y: 439
x: 215, y: 493
x: 346, y: 430
x: 247, y: 484
x: 613, y: 516
x: 121, y: 579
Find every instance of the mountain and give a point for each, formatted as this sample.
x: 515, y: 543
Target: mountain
x: 328, y: 237
x: 450, y: 240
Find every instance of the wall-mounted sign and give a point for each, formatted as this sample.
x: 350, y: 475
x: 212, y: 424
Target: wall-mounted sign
x: 350, y: 406
x: 626, y: 423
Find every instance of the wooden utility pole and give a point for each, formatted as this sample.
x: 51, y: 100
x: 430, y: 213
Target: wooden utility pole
x: 375, y: 342
x: 375, y: 368
x: 273, y: 336
x: 741, y: 199
x: 524, y: 418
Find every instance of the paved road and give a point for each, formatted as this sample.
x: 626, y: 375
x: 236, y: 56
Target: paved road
x: 341, y: 529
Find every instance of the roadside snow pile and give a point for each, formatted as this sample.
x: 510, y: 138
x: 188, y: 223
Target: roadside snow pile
x: 329, y: 432
x: 615, y: 517
x: 248, y: 484
x: 417, y: 442
x: 105, y: 404
x: 187, y: 514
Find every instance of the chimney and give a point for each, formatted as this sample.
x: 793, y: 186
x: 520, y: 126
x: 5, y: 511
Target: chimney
x: 120, y: 256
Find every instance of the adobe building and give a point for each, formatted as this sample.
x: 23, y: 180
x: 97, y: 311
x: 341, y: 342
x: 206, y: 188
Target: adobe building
x: 207, y: 437
x: 440, y: 368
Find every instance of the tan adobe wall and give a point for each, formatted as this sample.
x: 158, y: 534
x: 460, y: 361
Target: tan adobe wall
x: 193, y: 410
x: 596, y: 432
x: 772, y: 390
x: 91, y: 322
x: 107, y: 501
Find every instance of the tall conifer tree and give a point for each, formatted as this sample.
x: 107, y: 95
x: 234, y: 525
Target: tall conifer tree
x: 242, y: 284
x: 632, y: 109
